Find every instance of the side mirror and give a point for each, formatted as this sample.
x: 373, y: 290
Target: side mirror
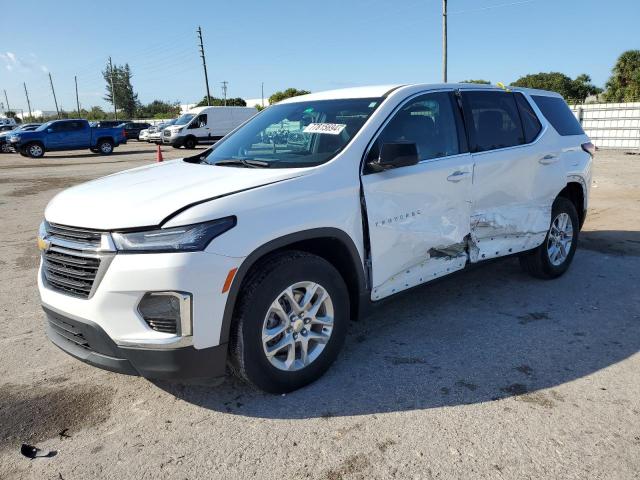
x: 395, y: 155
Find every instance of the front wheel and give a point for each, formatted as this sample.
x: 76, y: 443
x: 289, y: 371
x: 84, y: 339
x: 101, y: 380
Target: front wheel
x: 553, y: 257
x: 190, y: 143
x: 105, y: 147
x: 34, y: 150
x: 290, y: 323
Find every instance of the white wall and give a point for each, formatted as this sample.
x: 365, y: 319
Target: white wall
x: 611, y: 125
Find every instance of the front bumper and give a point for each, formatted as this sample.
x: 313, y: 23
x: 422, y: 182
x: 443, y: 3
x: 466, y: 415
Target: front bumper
x: 89, y: 343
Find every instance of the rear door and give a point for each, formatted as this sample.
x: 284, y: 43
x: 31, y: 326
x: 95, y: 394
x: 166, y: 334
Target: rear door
x: 77, y: 135
x: 418, y: 216
x: 516, y: 175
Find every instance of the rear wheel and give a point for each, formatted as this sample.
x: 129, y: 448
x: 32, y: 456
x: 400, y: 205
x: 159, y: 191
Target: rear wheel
x: 5, y: 148
x: 553, y: 257
x: 105, y: 147
x: 34, y: 150
x: 290, y: 322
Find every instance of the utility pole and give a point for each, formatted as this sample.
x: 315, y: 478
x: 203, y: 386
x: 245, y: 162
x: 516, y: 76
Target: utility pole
x: 224, y: 92
x: 204, y: 65
x: 262, y: 93
x: 444, y: 41
x: 28, y: 102
x: 113, y: 93
x: 75, y: 77
x: 7, y: 100
x: 55, y: 100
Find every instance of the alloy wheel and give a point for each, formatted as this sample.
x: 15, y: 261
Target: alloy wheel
x: 560, y: 239
x: 297, y: 326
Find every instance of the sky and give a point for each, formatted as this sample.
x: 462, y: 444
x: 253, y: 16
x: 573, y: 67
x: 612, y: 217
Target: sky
x: 312, y: 45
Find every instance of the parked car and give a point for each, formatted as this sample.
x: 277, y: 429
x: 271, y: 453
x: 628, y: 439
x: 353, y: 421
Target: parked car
x: 6, y: 121
x: 133, y: 129
x: 205, y: 125
x: 66, y: 135
x: 155, y: 132
x: 258, y: 254
x: 144, y: 135
x: 5, y: 146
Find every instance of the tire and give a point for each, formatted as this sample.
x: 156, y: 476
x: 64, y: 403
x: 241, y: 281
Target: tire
x: 34, y: 150
x: 190, y: 143
x: 552, y: 258
x: 105, y: 147
x: 5, y: 148
x: 255, y: 313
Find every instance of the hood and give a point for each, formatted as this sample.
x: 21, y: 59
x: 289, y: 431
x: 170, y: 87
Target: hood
x: 146, y: 196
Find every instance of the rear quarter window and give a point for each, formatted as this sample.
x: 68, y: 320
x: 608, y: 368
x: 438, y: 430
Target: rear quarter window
x: 557, y: 112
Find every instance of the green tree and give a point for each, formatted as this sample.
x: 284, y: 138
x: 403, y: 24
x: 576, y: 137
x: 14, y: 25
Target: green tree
x: 288, y: 93
x: 624, y: 83
x: 159, y: 109
x: 126, y: 99
x: 219, y: 102
x: 481, y: 82
x: 259, y: 107
x: 12, y: 114
x: 572, y: 90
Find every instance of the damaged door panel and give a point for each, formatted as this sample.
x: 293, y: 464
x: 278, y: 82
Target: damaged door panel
x: 418, y: 222
x: 515, y: 182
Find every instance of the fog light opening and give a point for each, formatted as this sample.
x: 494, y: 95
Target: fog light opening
x: 167, y: 312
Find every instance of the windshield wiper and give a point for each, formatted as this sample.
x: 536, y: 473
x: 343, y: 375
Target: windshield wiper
x: 243, y: 162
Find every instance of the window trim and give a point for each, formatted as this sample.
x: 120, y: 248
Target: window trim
x: 397, y: 108
x: 535, y: 139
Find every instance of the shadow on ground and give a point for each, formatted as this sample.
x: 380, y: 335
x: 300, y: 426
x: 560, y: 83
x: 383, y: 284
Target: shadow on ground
x: 478, y: 336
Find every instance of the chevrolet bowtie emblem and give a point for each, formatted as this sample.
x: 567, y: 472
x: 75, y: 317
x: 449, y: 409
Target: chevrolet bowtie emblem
x: 43, y: 244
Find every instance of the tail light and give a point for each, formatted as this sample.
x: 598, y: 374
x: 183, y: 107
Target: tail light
x: 590, y: 148
x: 124, y: 133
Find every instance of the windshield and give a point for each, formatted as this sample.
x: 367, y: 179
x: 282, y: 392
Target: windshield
x: 184, y: 119
x: 300, y: 134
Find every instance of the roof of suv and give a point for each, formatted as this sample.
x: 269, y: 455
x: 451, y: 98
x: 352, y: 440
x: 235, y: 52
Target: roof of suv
x: 377, y: 91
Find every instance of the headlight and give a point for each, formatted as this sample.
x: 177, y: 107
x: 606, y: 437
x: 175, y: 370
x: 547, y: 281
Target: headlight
x: 14, y: 139
x: 189, y: 238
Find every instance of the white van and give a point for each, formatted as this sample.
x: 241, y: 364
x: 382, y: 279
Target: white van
x: 258, y: 251
x: 4, y: 121
x: 205, y: 125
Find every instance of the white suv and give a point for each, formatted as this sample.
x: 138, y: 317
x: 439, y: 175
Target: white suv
x: 258, y: 251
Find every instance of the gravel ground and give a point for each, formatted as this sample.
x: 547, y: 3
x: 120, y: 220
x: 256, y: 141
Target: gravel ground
x: 487, y: 374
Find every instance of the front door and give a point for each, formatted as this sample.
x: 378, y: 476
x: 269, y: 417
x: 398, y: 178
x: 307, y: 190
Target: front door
x: 418, y: 216
x: 199, y: 127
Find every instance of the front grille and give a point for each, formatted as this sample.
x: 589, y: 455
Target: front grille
x: 89, y: 237
x: 70, y: 271
x: 69, y: 332
x: 71, y: 263
x: 167, y: 133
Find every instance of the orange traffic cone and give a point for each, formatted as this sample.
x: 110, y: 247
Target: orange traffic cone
x: 159, y: 155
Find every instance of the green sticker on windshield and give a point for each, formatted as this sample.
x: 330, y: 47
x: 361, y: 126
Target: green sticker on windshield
x: 309, y: 110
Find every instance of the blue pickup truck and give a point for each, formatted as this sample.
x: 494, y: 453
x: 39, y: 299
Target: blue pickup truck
x: 67, y: 135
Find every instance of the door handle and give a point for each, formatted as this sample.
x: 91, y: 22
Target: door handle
x: 548, y: 159
x: 457, y: 176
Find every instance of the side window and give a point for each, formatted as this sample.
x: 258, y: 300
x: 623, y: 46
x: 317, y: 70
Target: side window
x: 556, y: 110
x: 202, y: 120
x: 60, y: 127
x: 530, y: 123
x: 75, y: 126
x: 492, y: 120
x: 429, y: 122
